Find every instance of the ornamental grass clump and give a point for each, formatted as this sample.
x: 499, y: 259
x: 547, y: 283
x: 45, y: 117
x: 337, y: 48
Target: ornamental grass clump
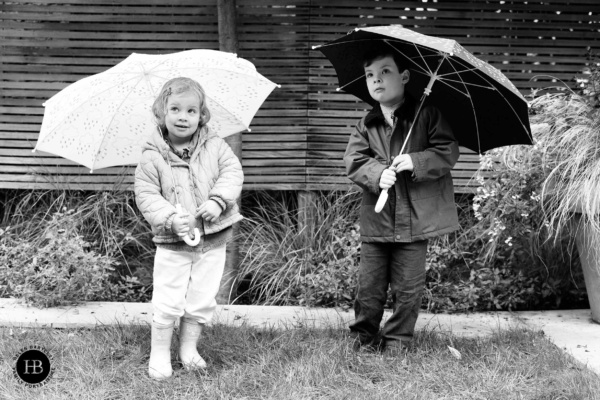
x: 285, y: 263
x: 569, y: 139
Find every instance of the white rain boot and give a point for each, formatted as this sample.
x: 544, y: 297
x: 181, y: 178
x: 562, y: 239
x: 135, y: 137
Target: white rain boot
x: 159, y: 366
x: 189, y: 332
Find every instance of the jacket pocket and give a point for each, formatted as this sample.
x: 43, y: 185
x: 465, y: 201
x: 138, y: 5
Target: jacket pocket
x: 425, y: 189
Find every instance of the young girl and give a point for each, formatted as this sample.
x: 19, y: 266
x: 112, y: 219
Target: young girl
x: 186, y: 164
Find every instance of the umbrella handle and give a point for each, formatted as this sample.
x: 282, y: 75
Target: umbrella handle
x: 187, y: 238
x: 383, y: 196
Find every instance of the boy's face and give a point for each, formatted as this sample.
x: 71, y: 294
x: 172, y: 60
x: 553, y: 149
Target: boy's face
x: 385, y: 82
x: 182, y: 116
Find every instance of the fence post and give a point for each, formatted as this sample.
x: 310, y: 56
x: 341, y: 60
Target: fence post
x: 228, y: 42
x: 306, y: 214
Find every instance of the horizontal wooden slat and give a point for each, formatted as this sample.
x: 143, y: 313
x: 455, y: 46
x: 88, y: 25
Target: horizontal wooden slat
x: 299, y: 135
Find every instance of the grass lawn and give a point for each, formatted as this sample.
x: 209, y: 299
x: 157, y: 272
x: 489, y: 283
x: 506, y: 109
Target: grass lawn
x: 298, y: 363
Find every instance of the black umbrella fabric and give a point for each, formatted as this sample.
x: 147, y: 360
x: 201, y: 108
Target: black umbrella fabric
x: 484, y: 109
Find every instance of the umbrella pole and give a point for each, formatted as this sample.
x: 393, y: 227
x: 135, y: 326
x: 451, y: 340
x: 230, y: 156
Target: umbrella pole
x: 383, y: 196
x: 426, y: 93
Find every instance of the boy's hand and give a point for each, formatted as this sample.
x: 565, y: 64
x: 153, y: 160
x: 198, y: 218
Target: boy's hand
x: 388, y: 178
x: 210, y: 210
x: 403, y: 162
x: 181, y: 225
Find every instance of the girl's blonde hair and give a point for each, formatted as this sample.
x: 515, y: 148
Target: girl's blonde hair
x: 177, y: 86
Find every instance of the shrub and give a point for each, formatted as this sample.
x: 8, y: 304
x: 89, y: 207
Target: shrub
x: 101, y: 226
x: 60, y: 271
x: 517, y: 265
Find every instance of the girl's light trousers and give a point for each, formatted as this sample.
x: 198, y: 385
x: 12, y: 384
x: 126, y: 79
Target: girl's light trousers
x: 186, y: 284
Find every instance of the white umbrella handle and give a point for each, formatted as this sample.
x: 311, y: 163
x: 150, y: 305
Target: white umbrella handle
x: 383, y: 196
x: 187, y: 238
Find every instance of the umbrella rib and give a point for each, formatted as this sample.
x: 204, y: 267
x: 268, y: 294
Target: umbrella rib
x: 468, y: 84
x: 456, y: 72
x: 349, y: 83
x: 472, y: 108
x: 480, y: 73
x: 97, y: 152
x: 88, y: 99
x: 450, y: 86
x: 255, y: 76
x: 486, y: 78
x: 426, y: 71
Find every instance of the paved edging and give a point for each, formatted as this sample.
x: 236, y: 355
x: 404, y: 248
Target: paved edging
x: 571, y: 330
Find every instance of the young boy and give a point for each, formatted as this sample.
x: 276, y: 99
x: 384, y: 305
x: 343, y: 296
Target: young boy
x: 420, y: 204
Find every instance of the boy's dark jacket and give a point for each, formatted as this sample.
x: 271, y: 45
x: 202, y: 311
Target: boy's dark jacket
x: 421, y: 203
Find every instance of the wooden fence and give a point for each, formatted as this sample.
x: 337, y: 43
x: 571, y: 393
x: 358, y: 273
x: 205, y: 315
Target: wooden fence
x: 299, y: 135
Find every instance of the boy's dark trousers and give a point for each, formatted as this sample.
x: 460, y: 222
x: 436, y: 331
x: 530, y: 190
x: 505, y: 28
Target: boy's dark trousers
x: 402, y: 267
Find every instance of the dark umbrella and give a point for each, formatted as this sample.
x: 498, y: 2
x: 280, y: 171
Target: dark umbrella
x: 484, y: 109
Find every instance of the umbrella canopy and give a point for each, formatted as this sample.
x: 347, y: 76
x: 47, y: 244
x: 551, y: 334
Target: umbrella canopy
x: 484, y: 109
x: 103, y: 120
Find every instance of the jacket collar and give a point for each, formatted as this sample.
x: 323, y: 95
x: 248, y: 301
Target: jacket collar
x: 158, y: 143
x: 405, y: 110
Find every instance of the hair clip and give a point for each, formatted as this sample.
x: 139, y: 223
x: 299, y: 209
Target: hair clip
x: 169, y: 92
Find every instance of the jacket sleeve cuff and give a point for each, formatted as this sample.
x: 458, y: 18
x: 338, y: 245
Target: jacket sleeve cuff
x: 418, y: 165
x: 169, y: 223
x: 219, y: 201
x: 375, y: 177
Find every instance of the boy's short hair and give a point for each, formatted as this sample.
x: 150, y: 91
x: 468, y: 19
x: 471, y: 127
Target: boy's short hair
x: 382, y: 51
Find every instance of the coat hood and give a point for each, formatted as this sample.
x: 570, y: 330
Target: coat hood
x: 156, y: 141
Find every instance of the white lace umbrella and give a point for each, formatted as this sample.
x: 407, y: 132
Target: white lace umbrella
x: 102, y: 120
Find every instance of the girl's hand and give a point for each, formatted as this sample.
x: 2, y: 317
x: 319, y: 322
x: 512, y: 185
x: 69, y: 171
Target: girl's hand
x: 181, y: 225
x: 388, y: 178
x: 403, y: 162
x: 209, y: 211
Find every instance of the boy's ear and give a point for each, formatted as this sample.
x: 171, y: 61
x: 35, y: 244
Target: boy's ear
x: 405, y: 76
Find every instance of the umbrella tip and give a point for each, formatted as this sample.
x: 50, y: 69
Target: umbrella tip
x: 338, y: 89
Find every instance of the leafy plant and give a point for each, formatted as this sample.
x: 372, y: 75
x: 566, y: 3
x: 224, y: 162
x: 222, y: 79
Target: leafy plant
x: 60, y: 270
x: 106, y: 224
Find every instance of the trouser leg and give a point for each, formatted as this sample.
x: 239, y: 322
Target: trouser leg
x: 204, y: 283
x: 407, y: 276
x: 171, y: 277
x: 371, y: 295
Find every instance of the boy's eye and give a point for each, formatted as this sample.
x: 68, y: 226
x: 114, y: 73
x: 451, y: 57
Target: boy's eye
x: 174, y: 109
x: 192, y: 111
x: 368, y: 75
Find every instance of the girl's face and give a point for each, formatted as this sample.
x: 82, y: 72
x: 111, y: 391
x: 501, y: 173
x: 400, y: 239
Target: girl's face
x: 182, y: 116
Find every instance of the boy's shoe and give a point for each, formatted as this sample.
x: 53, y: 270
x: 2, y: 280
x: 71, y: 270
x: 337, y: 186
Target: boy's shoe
x: 189, y: 333
x: 367, y: 343
x: 159, y: 366
x: 395, y: 349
